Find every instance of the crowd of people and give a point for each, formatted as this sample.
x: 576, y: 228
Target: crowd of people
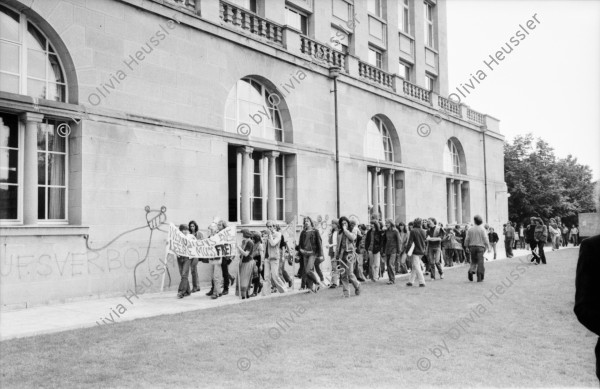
x: 360, y: 252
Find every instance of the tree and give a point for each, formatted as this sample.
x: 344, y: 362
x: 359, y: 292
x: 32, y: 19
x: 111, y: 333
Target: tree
x: 542, y: 185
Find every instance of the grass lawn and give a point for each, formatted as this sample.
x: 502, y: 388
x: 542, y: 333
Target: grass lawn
x: 451, y: 333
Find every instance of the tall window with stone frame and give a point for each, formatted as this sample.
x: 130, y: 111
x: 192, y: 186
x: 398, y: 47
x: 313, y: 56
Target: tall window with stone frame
x: 381, y: 191
x: 457, y: 186
x: 10, y: 167
x: 266, y: 168
x: 29, y: 64
x: 296, y: 19
x: 403, y: 16
x: 429, y: 31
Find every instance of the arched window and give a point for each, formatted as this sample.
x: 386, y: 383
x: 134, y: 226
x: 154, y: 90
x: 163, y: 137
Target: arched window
x: 29, y: 65
x: 452, y: 163
x: 252, y: 107
x: 378, y: 144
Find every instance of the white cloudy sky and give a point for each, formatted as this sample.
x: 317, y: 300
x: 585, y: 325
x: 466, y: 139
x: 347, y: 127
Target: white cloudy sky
x: 549, y: 85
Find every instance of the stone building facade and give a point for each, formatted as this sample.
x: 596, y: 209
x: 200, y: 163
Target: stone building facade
x: 117, y: 114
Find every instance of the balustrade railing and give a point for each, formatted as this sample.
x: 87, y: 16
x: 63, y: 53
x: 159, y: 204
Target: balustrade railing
x: 322, y: 53
x: 249, y: 21
x: 188, y: 4
x: 416, y: 92
x: 475, y: 116
x: 449, y: 106
x: 375, y: 74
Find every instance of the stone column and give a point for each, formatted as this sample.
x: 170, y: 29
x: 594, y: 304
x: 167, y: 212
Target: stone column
x: 245, y: 200
x: 450, y: 199
x: 30, y: 167
x: 374, y: 190
x: 271, y: 199
x: 459, y: 201
x: 389, y: 212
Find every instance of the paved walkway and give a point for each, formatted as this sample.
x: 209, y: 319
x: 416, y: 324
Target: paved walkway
x: 63, y: 317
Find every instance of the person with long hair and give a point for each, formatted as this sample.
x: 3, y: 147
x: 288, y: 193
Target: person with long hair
x: 435, y: 234
x: 373, y: 248
x: 246, y: 265
x: 358, y: 264
x: 310, y: 247
x: 416, y: 238
x: 273, y: 256
x: 403, y: 243
x: 193, y: 226
x: 258, y: 269
x: 346, y: 253
x: 332, y: 246
x: 391, y: 247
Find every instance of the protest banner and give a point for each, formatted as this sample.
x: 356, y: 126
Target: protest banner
x: 222, y: 244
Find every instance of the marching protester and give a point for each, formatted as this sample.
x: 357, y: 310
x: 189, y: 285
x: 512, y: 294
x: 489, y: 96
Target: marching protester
x: 435, y: 234
x: 193, y: 227
x: 540, y: 236
x: 416, y: 248
x: 258, y: 268
x: 331, y: 246
x: 477, y: 242
x: 493, y: 238
x: 215, y: 267
x: 246, y: 263
x: 373, y: 247
x: 184, y: 269
x: 521, y: 237
x: 227, y: 278
x: 283, y: 274
x: 362, y: 258
x: 392, y: 248
x: 273, y: 256
x: 402, y: 269
x: 309, y: 246
x: 346, y: 253
x: 509, y: 237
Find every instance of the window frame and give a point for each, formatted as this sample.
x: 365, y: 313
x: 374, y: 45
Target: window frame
x: 279, y: 133
x: 429, y: 25
x: 350, y: 7
x: 431, y: 80
x: 23, y: 46
x: 46, y: 185
x: 378, y: 57
x: 20, y: 174
x: 404, y: 13
x: 280, y: 159
x: 408, y: 70
x: 303, y: 19
x: 378, y: 10
x: 384, y: 137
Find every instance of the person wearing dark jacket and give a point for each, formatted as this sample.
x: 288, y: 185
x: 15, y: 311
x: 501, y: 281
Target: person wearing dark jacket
x: 541, y: 236
x: 530, y: 238
x: 391, y: 247
x: 587, y: 290
x: 493, y: 237
x: 417, y: 237
x: 309, y: 246
x: 373, y: 248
